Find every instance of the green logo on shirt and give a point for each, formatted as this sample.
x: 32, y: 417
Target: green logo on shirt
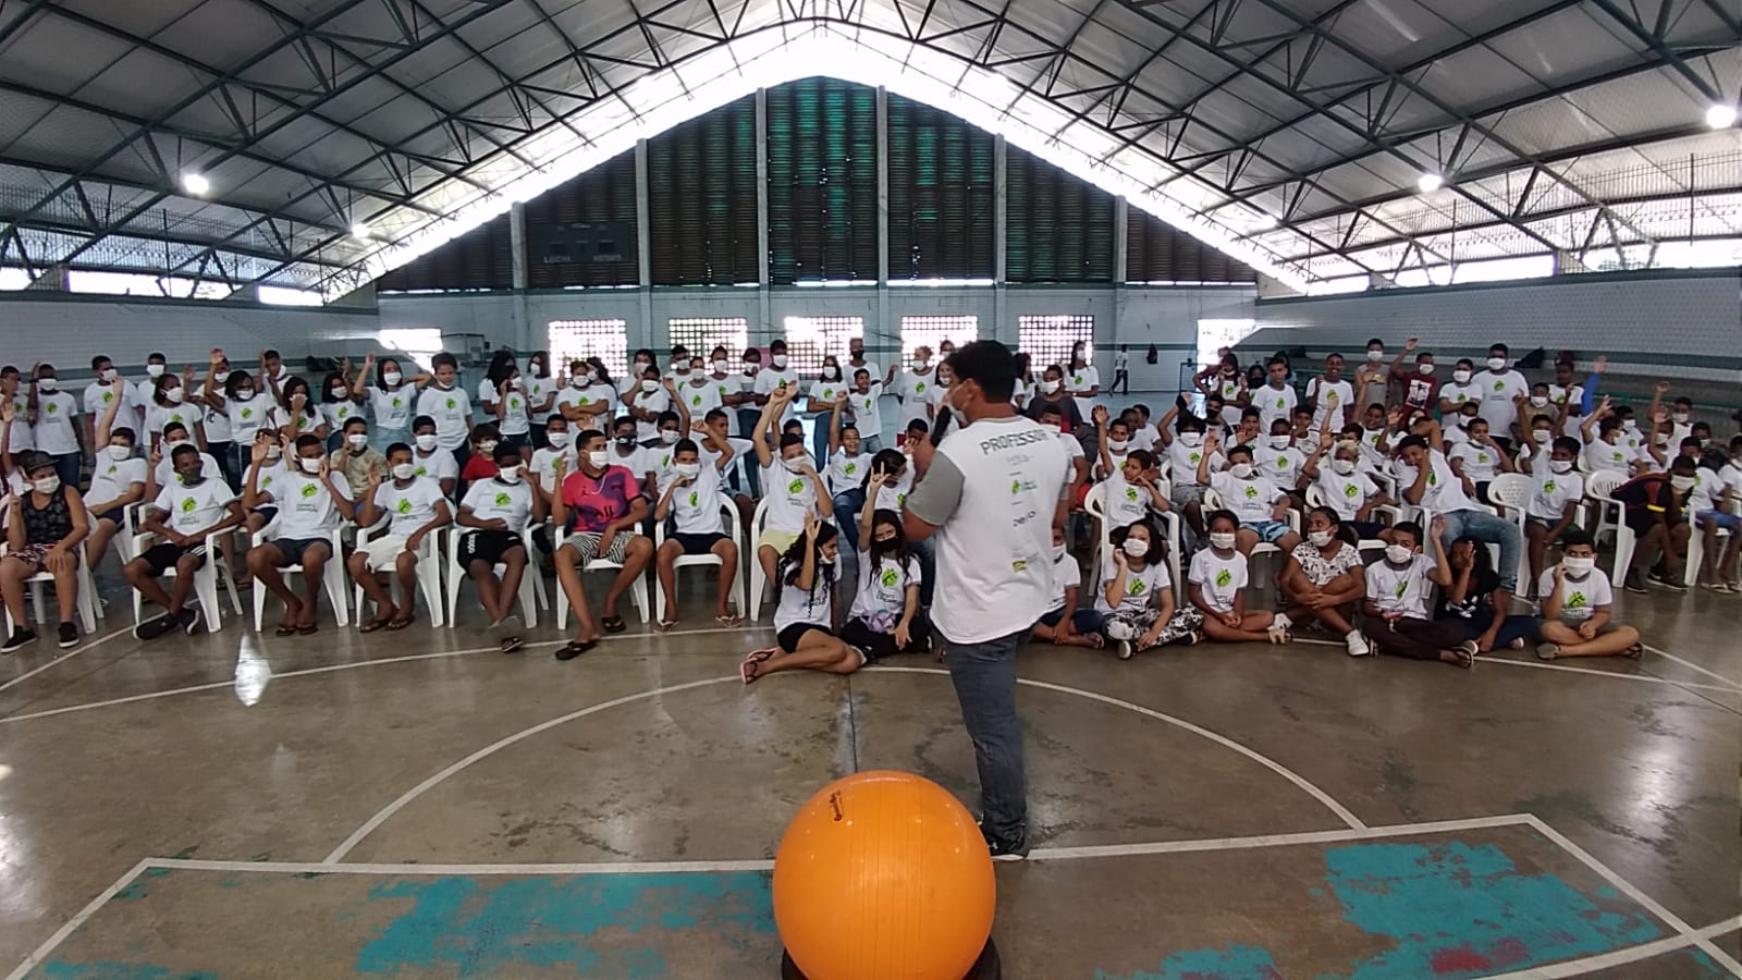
x: 1282, y: 462
x: 1548, y: 486
x: 501, y: 500
x: 1077, y: 380
x: 795, y: 488
x: 1280, y: 404
x: 420, y: 471
x: 1401, y: 588
x: 452, y: 404
x: 1015, y: 487
x: 1195, y: 457
x: 1433, y: 479
x: 889, y: 578
x: 396, y: 402
x: 828, y: 394
x: 695, y: 499
x: 1351, y: 491
x: 1481, y: 457
x: 247, y: 413
x: 851, y: 468
x: 1131, y: 493
x: 1251, y: 492
x: 404, y: 506
x: 696, y: 401
x: 1576, y: 601
x: 310, y: 489
x: 1134, y: 587
x: 1223, y: 577
x: 918, y: 386
x: 344, y: 410
x: 1500, y: 386
x: 188, y: 505
x: 108, y: 396
x: 53, y: 408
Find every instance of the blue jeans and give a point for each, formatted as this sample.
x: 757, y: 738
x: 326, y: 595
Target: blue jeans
x: 67, y: 466
x: 225, y: 454
x: 984, y: 675
x: 820, y: 440
x: 848, y: 504
x: 381, y: 437
x: 1488, y: 529
x: 1514, y: 628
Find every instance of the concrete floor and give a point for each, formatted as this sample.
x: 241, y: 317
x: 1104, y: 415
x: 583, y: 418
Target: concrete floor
x: 235, y: 747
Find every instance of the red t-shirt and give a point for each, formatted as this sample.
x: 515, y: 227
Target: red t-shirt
x: 478, y: 467
x: 593, y: 504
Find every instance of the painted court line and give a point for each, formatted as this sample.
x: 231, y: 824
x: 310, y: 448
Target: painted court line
x: 89, y: 645
x: 328, y: 669
x: 1689, y: 664
x: 60, y: 935
x: 1621, y: 957
x: 1644, y: 678
x: 1297, y: 779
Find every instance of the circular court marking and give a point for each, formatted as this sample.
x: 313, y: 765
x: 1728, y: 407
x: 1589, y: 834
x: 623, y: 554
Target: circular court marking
x: 387, y: 812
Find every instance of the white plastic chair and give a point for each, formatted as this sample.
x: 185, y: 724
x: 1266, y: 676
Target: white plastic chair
x: 333, y: 576
x: 637, y: 590
x: 758, y: 581
x: 429, y: 574
x: 532, y: 597
x: 206, y: 582
x: 1512, y: 493
x: 86, y: 604
x: 730, y: 514
x: 1600, y: 493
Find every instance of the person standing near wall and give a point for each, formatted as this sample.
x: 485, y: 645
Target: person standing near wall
x: 991, y: 493
x: 1122, y: 369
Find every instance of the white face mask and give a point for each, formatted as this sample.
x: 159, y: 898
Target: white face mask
x: 425, y: 442
x: 750, y: 367
x: 1628, y: 425
x: 793, y: 464
x: 274, y: 452
x: 310, y: 464
x: 509, y: 474
x: 340, y: 391
x: 831, y: 374
x: 154, y: 370
x: 557, y: 440
x: 1050, y: 386
x: 600, y: 458
x: 1241, y: 471
x: 1425, y: 368
x: 778, y: 360
x: 1538, y: 401
x: 719, y: 365
x: 1397, y: 554
x: 668, y: 436
x: 1461, y: 376
x: 1375, y: 356
x: 47, y: 384
x: 1679, y: 418
x: 173, y: 396
x: 120, y: 453
x: 220, y: 377
x: 107, y: 375
x: 1682, y: 483
x: 650, y: 386
x: 1191, y: 440
x: 172, y: 443
x: 680, y: 367
x: 688, y: 470
x: 1221, y: 540
x: 1058, y: 552
x: 1578, y: 567
x: 1344, y: 467
x: 1117, y: 445
x: 1135, y: 547
x: 1319, y: 538
x: 487, y: 446
x: 1496, y: 363
x: 357, y: 440
x: 404, y: 471
x: 391, y: 377
x: 48, y: 484
x: 1560, y: 465
x: 1280, y: 442
x: 244, y: 394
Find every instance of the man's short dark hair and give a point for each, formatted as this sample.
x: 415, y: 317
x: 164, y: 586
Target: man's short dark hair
x: 1577, y: 535
x: 307, y: 440
x: 1408, y: 441
x: 989, y: 364
x: 184, y: 450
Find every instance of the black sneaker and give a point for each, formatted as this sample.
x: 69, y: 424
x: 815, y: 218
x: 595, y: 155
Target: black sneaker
x: 19, y: 638
x: 69, y: 635
x: 1002, y: 847
x: 151, y: 629
x: 190, y: 621
x: 1632, y: 582
x: 1666, y: 581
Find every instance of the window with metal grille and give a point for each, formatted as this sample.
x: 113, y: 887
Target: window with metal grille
x: 1057, y: 228
x: 582, y: 233
x: 1156, y: 251
x: 1048, y: 339
x: 811, y: 338
x: 931, y: 331
x: 822, y: 182
x: 940, y: 194
x: 482, y: 258
x: 701, y: 199
x: 701, y: 334
x: 577, y: 340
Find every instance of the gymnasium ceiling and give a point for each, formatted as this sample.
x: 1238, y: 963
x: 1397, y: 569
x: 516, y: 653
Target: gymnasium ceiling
x: 340, y: 139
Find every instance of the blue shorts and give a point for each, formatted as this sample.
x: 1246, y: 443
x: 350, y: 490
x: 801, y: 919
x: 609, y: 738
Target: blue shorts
x: 1269, y: 532
x: 1729, y: 522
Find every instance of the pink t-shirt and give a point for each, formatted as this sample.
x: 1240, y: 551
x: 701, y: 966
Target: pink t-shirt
x: 593, y: 504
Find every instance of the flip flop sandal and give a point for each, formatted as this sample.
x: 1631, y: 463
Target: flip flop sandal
x: 665, y: 624
x: 398, y: 624
x: 727, y: 620
x: 575, y: 648
x: 1634, y: 652
x: 307, y: 630
x: 512, y: 644
x: 612, y: 624
x: 284, y: 629
x: 746, y: 669
x: 373, y: 625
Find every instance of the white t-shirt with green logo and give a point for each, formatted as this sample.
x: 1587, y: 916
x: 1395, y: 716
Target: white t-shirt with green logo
x: 491, y: 499
x: 1480, y: 461
x: 1579, y: 597
x: 867, y: 411
x: 1219, y: 580
x: 1082, y: 379
x: 914, y: 387
x: 769, y: 379
x: 193, y: 508
x: 826, y: 392
x: 847, y: 472
x: 246, y: 417
x: 392, y: 409
x: 1345, y: 494
x: 411, y: 506
x: 695, y: 507
x: 790, y: 496
x: 450, y: 409
x: 23, y: 436
x: 883, y: 589
x: 305, y: 505
x: 1403, y: 590
x: 110, y: 479
x: 1141, y: 587
x: 440, y: 465
x: 702, y: 396
x: 56, y: 413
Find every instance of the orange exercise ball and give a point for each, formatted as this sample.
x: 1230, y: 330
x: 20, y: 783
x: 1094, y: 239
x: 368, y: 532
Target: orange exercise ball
x: 883, y: 875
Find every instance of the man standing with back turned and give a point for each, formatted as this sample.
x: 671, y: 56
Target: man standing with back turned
x: 991, y: 491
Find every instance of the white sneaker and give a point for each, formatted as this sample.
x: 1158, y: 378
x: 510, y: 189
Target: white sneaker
x: 1282, y: 622
x: 1125, y: 650
x: 1358, y: 645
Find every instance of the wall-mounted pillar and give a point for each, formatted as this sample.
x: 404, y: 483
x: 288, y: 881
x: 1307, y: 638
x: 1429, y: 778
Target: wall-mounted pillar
x: 643, y: 336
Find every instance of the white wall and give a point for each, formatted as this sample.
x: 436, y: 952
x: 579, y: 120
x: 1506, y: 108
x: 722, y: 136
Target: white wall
x: 68, y: 331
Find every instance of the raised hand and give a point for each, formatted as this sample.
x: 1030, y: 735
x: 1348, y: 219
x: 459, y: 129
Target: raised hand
x: 811, y: 525
x: 1410, y: 344
x: 374, y: 472
x: 217, y: 357
x: 298, y: 402
x: 258, y: 452
x: 1099, y: 416
x: 1438, y: 529
x: 1601, y: 365
x: 1662, y: 388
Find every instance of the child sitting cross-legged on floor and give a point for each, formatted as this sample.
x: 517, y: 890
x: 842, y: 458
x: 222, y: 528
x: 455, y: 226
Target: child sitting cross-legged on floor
x: 1396, y: 620
x: 1218, y: 579
x: 1136, y: 595
x: 886, y: 617
x: 1065, y: 624
x: 804, y: 622
x: 1577, y: 606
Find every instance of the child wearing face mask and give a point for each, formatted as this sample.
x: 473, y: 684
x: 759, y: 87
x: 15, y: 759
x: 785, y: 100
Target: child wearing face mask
x: 1218, y: 579
x: 355, y: 457
x: 1350, y: 491
x: 559, y: 443
x: 339, y: 404
x: 795, y: 491
x: 885, y: 617
x: 778, y: 376
x: 1324, y: 578
x: 1112, y: 443
x: 849, y: 464
x: 183, y: 518
x: 57, y: 430
x: 805, y: 618
x: 829, y: 387
x: 1577, y: 607
x: 117, y: 476
x: 1184, y: 450
x: 44, y: 525
x: 692, y: 502
x: 266, y: 472
x: 1066, y: 623
x: 646, y: 403
x: 1277, y: 458
x: 493, y: 516
x: 392, y: 396
x: 1397, y: 620
x: 416, y: 509
x: 312, y: 501
x: 448, y: 405
x: 590, y: 398
x: 1554, y: 502
x: 1461, y: 390
x: 661, y: 455
x: 175, y: 435
x: 1136, y: 597
x: 168, y: 404
x: 1478, y: 458
x: 1260, y: 504
x: 480, y: 463
x: 429, y: 459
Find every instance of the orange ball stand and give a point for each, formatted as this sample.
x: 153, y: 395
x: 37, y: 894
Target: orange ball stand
x: 885, y: 876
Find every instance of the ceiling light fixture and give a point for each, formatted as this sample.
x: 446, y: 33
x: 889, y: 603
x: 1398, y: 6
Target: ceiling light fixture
x: 1721, y: 115
x: 1428, y: 183
x: 360, y: 230
x: 195, y: 184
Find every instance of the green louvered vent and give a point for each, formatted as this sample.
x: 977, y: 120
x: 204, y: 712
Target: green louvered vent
x: 822, y: 182
x: 1156, y: 251
x: 940, y: 195
x: 482, y: 258
x: 582, y: 233
x: 701, y: 199
x: 1057, y: 228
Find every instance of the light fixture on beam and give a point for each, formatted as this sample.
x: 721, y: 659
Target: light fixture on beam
x: 195, y: 184
x: 1429, y: 182
x: 1721, y: 115
x: 360, y: 229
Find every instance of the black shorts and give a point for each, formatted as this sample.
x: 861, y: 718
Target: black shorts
x: 1640, y: 520
x: 266, y: 513
x: 162, y: 557
x: 488, y: 546
x: 698, y: 544
x: 292, y: 549
x: 788, y: 638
